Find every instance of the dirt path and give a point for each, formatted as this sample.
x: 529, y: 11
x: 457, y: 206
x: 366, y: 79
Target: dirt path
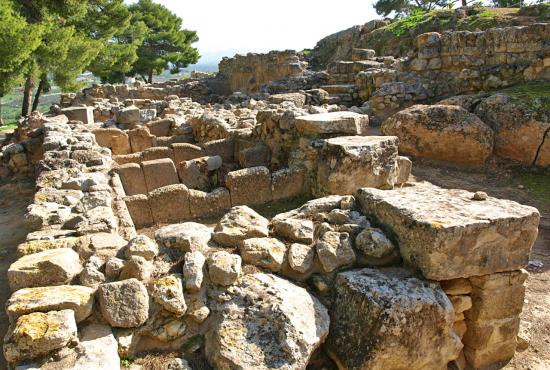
x: 509, y: 184
x: 15, y: 196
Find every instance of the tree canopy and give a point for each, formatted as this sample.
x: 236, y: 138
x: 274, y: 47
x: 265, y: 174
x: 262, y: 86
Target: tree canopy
x: 166, y: 44
x: 406, y: 7
x: 43, y: 41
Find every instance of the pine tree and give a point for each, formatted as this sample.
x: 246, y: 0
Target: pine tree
x: 166, y: 44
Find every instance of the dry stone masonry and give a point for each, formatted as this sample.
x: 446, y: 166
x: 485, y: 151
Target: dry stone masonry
x: 150, y: 231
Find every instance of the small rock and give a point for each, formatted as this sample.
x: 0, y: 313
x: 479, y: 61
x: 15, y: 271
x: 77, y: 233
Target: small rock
x: 300, y: 257
x: 113, y: 268
x: 193, y: 270
x: 137, y: 267
x: 142, y: 246
x: 295, y: 230
x: 373, y: 243
x: 238, y: 224
x: 186, y: 237
x: 91, y: 276
x: 480, y: 195
x: 334, y: 250
x: 124, y: 304
x: 268, y: 253
x: 167, y: 291
x: 224, y: 268
x: 524, y: 335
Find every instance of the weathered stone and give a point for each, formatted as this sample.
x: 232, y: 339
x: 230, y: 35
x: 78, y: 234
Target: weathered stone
x: 142, y: 246
x: 38, y: 334
x: 50, y: 267
x: 80, y: 299
x: 334, y: 250
x: 140, y: 211
x: 141, y: 139
x: 300, y: 257
x: 267, y: 253
x: 132, y: 178
x: 167, y: 291
x: 435, y: 226
x: 456, y: 286
x: 241, y: 183
x: 351, y: 162
x: 129, y: 116
x: 193, y: 270
x: 113, y: 267
x: 376, y: 312
x: 186, y: 152
x: 373, y: 243
x: 289, y: 183
x: 298, y: 99
x: 202, y: 204
x: 295, y: 230
x: 224, y: 268
x: 344, y: 123
x: 169, y: 204
x: 186, y: 237
x: 159, y: 173
x: 124, y: 304
x: 433, y: 131
x: 238, y: 224
x: 268, y: 323
x: 82, y: 114
x: 136, y: 267
x: 35, y: 246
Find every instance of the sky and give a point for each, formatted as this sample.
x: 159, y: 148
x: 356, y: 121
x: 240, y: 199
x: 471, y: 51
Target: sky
x: 230, y: 26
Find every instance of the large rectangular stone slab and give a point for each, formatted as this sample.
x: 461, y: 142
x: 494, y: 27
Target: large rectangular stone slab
x: 345, y: 123
x: 83, y: 114
x: 132, y: 178
x: 140, y: 211
x: 447, y: 234
x: 169, y: 204
x: 249, y: 186
x: 203, y: 204
x: 159, y: 173
x: 348, y: 163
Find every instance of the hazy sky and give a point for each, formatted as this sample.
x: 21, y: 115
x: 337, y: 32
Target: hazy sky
x: 267, y: 25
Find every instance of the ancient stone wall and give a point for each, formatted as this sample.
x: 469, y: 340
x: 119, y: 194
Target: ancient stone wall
x: 247, y: 73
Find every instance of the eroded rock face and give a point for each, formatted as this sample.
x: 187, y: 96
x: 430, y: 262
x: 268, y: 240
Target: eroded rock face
x: 224, y: 268
x: 167, y: 291
x: 267, y: 253
x: 519, y: 129
x: 39, y: 333
x: 389, y: 319
x: 442, y: 132
x: 238, y: 224
x: 280, y: 330
x: 447, y: 234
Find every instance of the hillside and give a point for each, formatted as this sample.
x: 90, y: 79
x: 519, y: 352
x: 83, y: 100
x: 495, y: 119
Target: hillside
x: 396, y: 38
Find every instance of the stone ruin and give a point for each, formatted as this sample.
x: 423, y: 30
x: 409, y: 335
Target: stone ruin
x: 144, y: 237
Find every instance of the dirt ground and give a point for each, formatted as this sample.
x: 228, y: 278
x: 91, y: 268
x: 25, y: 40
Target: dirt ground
x: 16, y: 195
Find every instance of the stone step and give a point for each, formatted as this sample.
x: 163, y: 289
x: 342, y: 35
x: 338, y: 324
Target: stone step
x: 362, y: 54
x: 339, y: 89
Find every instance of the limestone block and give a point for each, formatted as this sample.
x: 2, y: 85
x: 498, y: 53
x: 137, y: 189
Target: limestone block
x: 169, y: 204
x: 203, y: 204
x: 376, y: 312
x: 249, y: 186
x: 289, y: 183
x: 268, y: 253
x: 293, y: 229
x: 543, y: 158
x: 140, y: 211
x: 160, y: 127
x: 83, y: 114
x: 456, y: 286
x: 348, y: 163
x: 50, y: 267
x: 141, y: 139
x: 78, y: 298
x: 258, y: 155
x: 224, y: 268
x: 132, y: 178
x: 238, y: 224
x: 127, y: 158
x: 225, y: 148
x: 343, y: 123
x: 195, y: 173
x: 114, y: 139
x: 129, y: 116
x: 186, y: 151
x: 38, y: 334
x: 298, y: 99
x: 404, y: 168
x: 124, y: 304
x: 167, y: 291
x: 186, y: 237
x: 288, y: 321
x: 434, y: 226
x: 159, y: 173
x: 157, y: 152
x: 433, y: 131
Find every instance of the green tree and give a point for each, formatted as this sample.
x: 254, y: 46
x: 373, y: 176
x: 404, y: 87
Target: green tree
x: 166, y: 44
x: 18, y: 40
x: 400, y: 8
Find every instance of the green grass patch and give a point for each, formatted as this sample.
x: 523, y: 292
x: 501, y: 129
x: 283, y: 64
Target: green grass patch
x: 127, y: 361
x: 8, y: 127
x: 537, y: 183
x: 415, y: 20
x: 538, y: 94
x: 483, y: 20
